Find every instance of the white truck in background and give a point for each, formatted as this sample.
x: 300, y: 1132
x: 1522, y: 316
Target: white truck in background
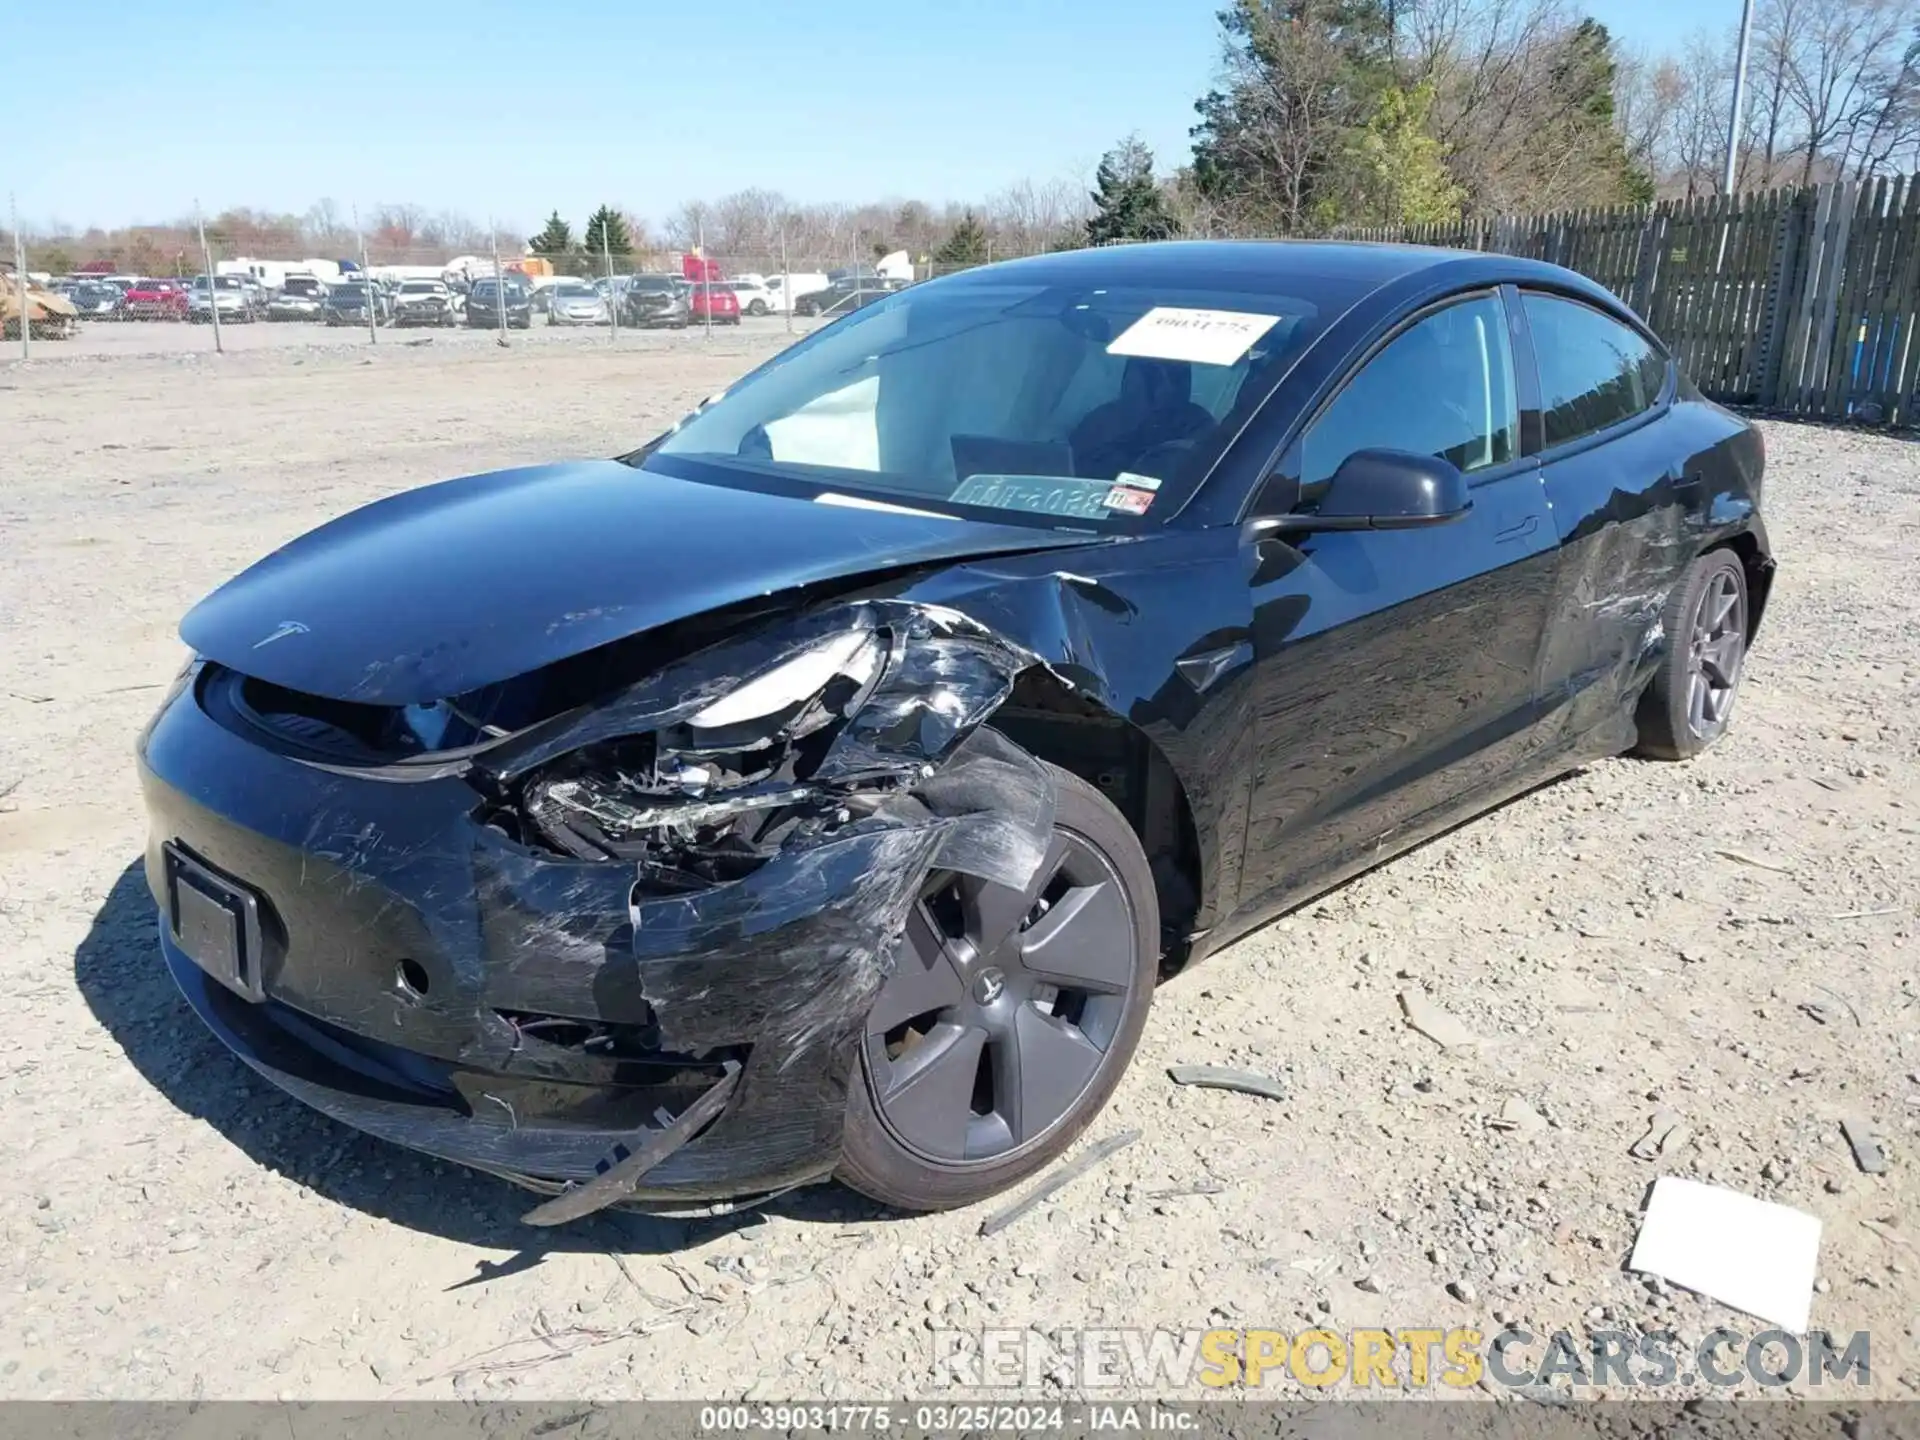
x: 272, y: 274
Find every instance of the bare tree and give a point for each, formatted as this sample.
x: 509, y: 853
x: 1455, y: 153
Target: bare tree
x: 1647, y: 98
x: 1830, y: 72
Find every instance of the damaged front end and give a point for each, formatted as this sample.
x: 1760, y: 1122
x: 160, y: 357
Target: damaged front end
x: 621, y: 951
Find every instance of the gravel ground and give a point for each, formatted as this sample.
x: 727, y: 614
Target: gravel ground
x: 174, y: 1228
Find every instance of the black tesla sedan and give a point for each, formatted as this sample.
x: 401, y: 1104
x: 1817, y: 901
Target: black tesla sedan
x: 820, y: 789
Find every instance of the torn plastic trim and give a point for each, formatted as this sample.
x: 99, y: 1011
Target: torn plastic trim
x: 789, y: 955
x: 829, y: 916
x: 622, y: 1172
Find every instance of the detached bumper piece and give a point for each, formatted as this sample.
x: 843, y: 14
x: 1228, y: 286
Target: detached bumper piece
x: 633, y: 980
x: 624, y: 1168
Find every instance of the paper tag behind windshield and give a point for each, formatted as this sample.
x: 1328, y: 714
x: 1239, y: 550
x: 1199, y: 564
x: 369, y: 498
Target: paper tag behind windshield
x: 1208, y: 337
x: 1039, y: 494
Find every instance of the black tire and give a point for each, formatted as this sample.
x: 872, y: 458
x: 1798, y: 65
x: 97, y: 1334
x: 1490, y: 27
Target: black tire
x: 756, y: 307
x: 877, y: 1161
x: 1689, y: 703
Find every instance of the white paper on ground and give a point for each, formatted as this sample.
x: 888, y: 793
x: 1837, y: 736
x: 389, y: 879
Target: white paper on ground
x: 1751, y: 1254
x: 1211, y: 337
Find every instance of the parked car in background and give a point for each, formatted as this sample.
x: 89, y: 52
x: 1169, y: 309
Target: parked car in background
x: 348, y: 304
x: 844, y: 296
x: 234, y: 300
x: 489, y: 299
x: 657, y: 300
x: 96, y: 301
x: 423, y: 302
x: 575, y: 302
x: 154, y: 300
x: 712, y: 300
x: 297, y: 304
x: 783, y: 290
x: 753, y: 296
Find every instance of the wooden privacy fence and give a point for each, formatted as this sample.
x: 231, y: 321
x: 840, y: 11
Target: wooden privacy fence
x: 1797, y: 300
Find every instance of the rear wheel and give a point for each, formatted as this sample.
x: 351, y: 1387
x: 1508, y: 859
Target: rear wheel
x: 1009, y: 1017
x: 1689, y: 704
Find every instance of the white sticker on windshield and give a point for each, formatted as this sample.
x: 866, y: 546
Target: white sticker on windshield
x: 1209, y: 337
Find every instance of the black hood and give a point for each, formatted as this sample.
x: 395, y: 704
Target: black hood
x: 455, y: 586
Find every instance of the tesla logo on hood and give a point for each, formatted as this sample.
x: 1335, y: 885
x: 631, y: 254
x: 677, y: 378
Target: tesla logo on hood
x: 281, y: 632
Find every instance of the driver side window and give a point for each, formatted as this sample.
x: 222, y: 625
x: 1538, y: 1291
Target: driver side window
x: 1443, y: 387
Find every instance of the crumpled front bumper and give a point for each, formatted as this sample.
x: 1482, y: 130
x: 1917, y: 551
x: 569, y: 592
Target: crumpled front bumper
x: 426, y: 979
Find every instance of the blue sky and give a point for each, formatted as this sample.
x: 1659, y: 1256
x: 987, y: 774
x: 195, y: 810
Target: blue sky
x: 510, y: 110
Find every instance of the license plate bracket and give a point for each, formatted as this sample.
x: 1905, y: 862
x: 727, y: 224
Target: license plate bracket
x: 215, y: 921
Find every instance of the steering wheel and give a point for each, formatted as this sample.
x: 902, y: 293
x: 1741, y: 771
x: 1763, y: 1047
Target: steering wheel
x: 1162, y: 459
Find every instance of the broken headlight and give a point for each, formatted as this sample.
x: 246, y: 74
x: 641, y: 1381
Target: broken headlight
x: 708, y: 796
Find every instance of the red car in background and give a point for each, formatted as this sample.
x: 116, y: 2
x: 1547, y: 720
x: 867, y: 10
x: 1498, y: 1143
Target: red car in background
x: 155, y: 300
x: 708, y: 298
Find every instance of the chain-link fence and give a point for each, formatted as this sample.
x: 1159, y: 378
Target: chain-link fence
x: 240, y: 280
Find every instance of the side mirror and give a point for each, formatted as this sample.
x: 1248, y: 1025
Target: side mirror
x: 1386, y: 490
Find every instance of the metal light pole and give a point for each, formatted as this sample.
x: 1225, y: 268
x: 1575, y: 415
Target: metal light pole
x: 20, y: 278
x: 1739, y: 99
x: 499, y: 288
x: 366, y: 279
x: 786, y: 280
x: 706, y: 291
x: 213, y: 290
x: 613, y: 297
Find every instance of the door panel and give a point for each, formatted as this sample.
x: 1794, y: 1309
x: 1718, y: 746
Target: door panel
x: 1624, y: 475
x: 1394, y: 683
x: 1395, y: 679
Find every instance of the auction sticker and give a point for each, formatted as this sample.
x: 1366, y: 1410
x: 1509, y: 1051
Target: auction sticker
x: 1208, y: 337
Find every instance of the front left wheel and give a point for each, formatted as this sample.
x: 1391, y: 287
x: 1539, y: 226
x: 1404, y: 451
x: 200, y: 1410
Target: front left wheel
x: 1009, y: 1016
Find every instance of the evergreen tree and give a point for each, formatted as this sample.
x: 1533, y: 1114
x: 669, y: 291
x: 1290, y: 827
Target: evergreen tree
x: 1397, y: 171
x: 1127, y: 201
x: 1583, y: 76
x: 555, y: 240
x: 1303, y: 78
x: 607, y: 235
x: 966, y: 245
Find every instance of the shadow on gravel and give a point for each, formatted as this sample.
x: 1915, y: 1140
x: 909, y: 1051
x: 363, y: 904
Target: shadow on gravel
x: 119, y: 971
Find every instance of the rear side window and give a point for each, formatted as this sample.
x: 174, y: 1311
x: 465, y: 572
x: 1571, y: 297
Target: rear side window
x: 1594, y: 371
x: 1443, y: 387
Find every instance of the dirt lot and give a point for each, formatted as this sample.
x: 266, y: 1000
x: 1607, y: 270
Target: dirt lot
x: 175, y: 1228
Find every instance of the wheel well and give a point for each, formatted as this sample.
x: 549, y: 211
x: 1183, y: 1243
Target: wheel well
x: 1759, y: 569
x: 1120, y: 760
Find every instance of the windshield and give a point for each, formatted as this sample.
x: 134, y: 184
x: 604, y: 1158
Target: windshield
x: 345, y: 292
x: 576, y: 292
x: 1087, y: 404
x: 420, y: 287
